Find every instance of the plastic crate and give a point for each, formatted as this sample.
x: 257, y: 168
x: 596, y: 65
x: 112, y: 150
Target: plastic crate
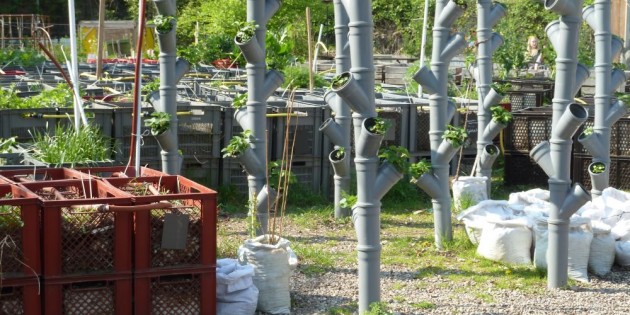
x: 422, y: 144
x: 534, y: 84
x: 118, y: 171
x: 304, y: 127
x: 104, y: 294
x: 521, y: 99
x: 619, y: 171
x: 205, y: 172
x: 79, y: 238
x: 31, y: 174
x: 520, y: 169
x: 186, y: 198
x: 25, y: 123
x: 184, y: 291
x: 529, y: 127
x: 397, y: 115
x: 20, y: 226
x: 20, y: 296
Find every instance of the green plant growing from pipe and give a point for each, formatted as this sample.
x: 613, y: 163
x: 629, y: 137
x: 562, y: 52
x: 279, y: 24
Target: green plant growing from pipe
x: 159, y: 122
x: 246, y: 31
x: 598, y: 168
x: 339, y: 80
x: 397, y: 156
x: 239, y: 101
x: 379, y: 126
x: 419, y: 168
x: 456, y: 136
x: 163, y: 23
x: 340, y: 153
x: 348, y: 200
x: 237, y: 145
x: 501, y: 115
x: 587, y: 132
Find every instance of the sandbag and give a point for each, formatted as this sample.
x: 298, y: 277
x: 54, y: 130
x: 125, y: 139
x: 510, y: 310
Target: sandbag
x: 602, y: 253
x: 622, y: 252
x: 272, y: 271
x: 507, y: 241
x: 236, y: 293
x: 580, y: 238
x: 528, y: 197
x: 616, y: 206
x: 621, y: 230
x: 475, y: 217
x: 469, y: 191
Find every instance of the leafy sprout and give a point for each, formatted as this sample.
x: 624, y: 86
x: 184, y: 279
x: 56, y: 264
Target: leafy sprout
x: 339, y: 80
x: 501, y: 88
x: 456, y: 136
x: 347, y: 200
x: 419, y: 168
x: 7, y: 145
x: 240, y: 100
x: 278, y: 174
x: 377, y: 125
x: 237, y: 145
x: 340, y: 153
x: 159, y: 122
x: 598, y: 168
x: 397, y: 156
x: 501, y: 115
x: 587, y: 132
x: 246, y: 31
x: 163, y: 23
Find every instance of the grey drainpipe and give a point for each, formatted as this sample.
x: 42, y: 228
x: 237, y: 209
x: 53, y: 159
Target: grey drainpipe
x: 567, y: 118
x: 170, y: 73
x: 343, y: 117
x: 435, y: 82
x: 488, y: 14
x: 372, y: 182
x: 597, y: 17
x: 260, y: 84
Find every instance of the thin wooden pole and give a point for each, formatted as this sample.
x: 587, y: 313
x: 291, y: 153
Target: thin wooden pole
x: 310, y: 54
x: 101, y: 39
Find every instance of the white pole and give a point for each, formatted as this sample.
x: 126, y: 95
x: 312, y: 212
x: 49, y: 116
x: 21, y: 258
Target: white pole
x: 139, y: 98
x: 319, y: 40
x: 424, y: 39
x: 79, y: 115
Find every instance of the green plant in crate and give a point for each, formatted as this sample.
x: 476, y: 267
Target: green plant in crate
x: 397, y: 156
x: 456, y: 136
x: 501, y: 115
x: 238, y: 145
x: 159, y: 122
x: 67, y: 145
x: 297, y: 77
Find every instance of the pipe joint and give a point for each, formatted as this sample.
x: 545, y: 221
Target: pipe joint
x: 271, y: 7
x: 576, y: 198
x: 429, y: 184
x: 497, y: 12
x: 617, y: 110
x: 455, y: 44
x: 387, y: 176
x: 449, y: 14
x: 333, y: 131
x: 427, y: 79
x: 353, y: 94
x: 572, y: 118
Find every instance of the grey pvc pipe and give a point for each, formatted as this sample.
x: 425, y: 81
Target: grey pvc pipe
x: 566, y: 118
x: 429, y: 184
x: 261, y: 85
x: 169, y: 76
x: 386, y: 178
x: 541, y: 154
x: 597, y: 16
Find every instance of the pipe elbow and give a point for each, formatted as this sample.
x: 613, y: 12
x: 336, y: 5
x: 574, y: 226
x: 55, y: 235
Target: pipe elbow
x: 573, y: 117
x: 271, y: 7
x: 455, y: 44
x: 426, y: 78
x: 564, y: 7
x: 386, y: 178
x: 430, y: 184
x: 333, y: 131
x: 615, y: 112
x: 576, y: 198
x: 449, y: 14
x: 273, y: 80
x: 588, y: 14
x: 497, y: 12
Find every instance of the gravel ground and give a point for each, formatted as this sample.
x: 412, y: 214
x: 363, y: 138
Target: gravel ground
x: 405, y: 294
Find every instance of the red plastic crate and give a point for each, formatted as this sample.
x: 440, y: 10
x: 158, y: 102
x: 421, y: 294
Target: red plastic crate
x: 79, y: 238
x: 20, y: 226
x: 119, y: 171
x: 184, y: 291
x: 89, y: 295
x: 177, y: 195
x: 25, y: 175
x: 20, y: 296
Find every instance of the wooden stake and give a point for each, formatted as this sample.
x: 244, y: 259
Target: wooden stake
x: 310, y: 55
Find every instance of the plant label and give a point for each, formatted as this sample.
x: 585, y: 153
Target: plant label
x: 175, y: 231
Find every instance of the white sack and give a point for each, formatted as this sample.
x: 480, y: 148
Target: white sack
x: 508, y: 241
x: 236, y: 293
x: 272, y: 271
x: 580, y: 237
x: 602, y: 254
x: 468, y: 191
x: 616, y: 206
x: 621, y: 230
x: 475, y: 217
x: 622, y: 251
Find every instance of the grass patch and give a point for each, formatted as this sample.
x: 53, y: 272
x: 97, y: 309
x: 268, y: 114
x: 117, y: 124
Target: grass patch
x: 424, y: 305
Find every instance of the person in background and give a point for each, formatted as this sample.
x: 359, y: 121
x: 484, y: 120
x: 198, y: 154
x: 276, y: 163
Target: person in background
x: 534, y: 53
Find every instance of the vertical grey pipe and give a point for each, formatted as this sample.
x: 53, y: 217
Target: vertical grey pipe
x: 597, y: 17
x: 446, y: 12
x: 171, y: 158
x: 259, y: 12
x: 487, y: 15
x: 343, y: 116
x: 564, y: 38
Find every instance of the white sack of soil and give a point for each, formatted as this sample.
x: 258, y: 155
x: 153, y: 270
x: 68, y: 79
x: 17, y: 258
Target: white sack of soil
x: 622, y: 251
x: 602, y: 255
x: 236, y: 293
x: 621, y: 230
x: 469, y: 191
x: 508, y: 241
x: 616, y: 206
x: 272, y: 271
x: 475, y: 217
x: 529, y: 197
x: 580, y: 237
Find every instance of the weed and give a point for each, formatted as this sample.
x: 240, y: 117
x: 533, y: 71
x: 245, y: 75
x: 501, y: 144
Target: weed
x: 424, y: 305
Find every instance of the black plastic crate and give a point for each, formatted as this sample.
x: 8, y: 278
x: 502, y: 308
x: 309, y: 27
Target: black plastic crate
x: 520, y: 169
x: 619, y: 140
x: 619, y: 171
x: 521, y: 99
x: 529, y: 127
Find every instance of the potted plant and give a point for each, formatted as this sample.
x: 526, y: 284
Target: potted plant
x: 246, y: 31
x: 238, y: 145
x: 159, y: 122
x: 419, y: 168
x: 397, y: 156
x: 500, y: 115
x: 377, y: 125
x: 597, y: 167
x: 339, y: 80
x: 456, y: 136
x: 164, y: 23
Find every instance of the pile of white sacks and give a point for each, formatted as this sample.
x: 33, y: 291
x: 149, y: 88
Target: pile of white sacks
x: 515, y: 231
